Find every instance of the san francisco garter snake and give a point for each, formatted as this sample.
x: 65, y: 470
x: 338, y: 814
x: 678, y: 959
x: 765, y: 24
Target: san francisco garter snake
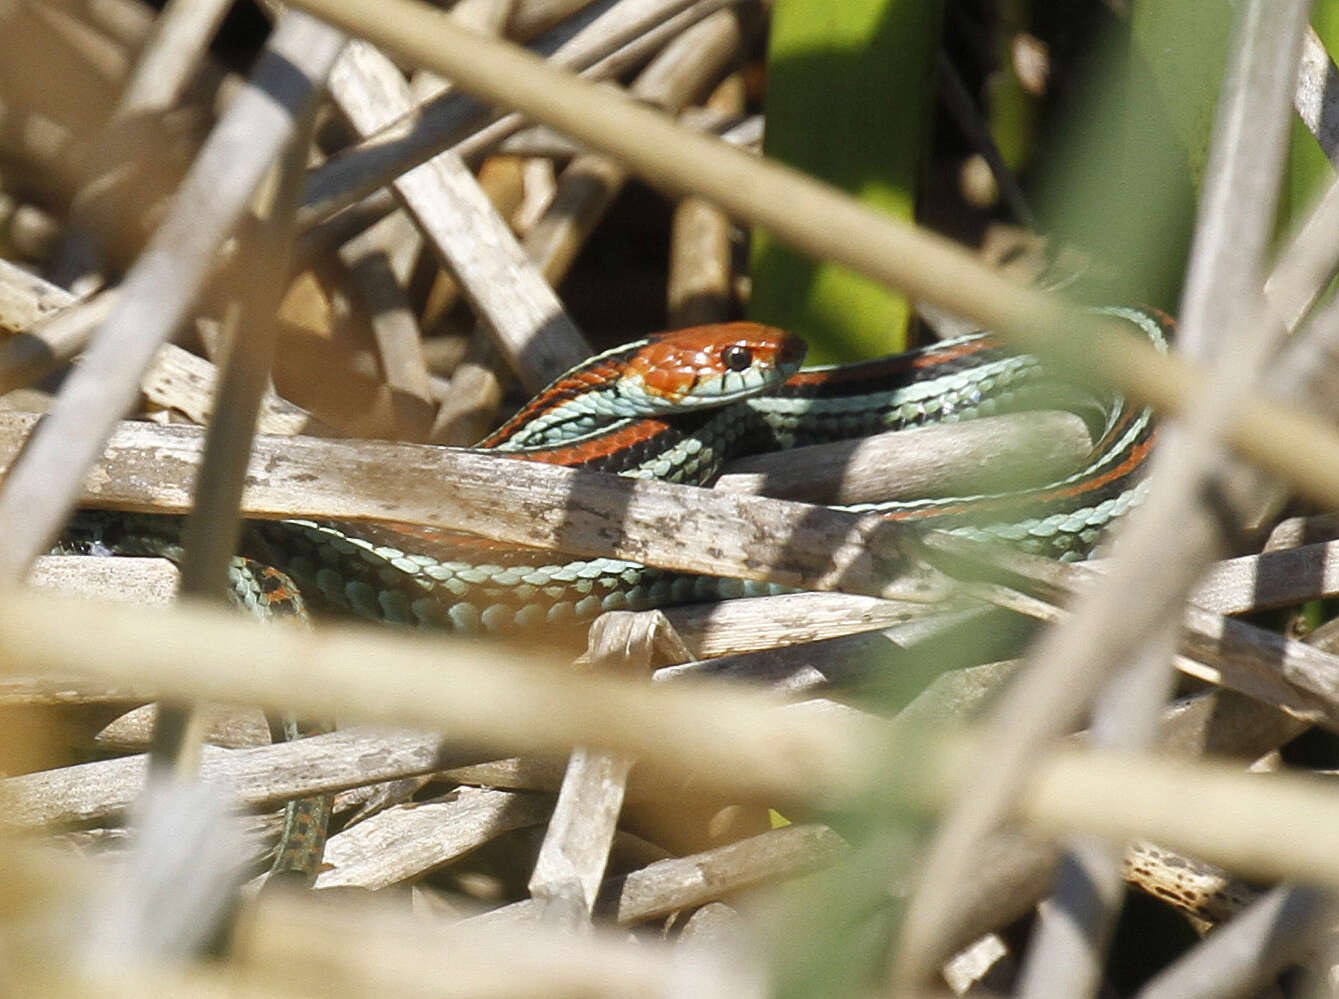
x: 676, y: 406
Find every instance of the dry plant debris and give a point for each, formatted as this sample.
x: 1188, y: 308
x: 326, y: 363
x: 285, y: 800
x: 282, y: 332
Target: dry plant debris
x: 304, y: 248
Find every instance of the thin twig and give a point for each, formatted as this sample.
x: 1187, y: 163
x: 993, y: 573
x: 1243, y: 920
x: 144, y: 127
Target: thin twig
x: 572, y: 860
x: 405, y: 842
x: 210, y: 535
x: 956, y: 97
x: 379, y: 261
x: 172, y: 55
x: 701, y: 272
x: 212, y: 527
x: 258, y: 777
x: 1317, y: 98
x: 683, y: 882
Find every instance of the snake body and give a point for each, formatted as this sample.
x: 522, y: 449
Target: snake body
x: 676, y: 407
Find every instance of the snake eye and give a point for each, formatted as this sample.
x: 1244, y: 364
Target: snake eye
x: 737, y: 357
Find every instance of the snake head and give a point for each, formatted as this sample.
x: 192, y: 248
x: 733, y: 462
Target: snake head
x: 664, y: 374
x: 710, y: 365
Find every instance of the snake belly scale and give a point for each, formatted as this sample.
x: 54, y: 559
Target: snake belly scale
x: 676, y: 406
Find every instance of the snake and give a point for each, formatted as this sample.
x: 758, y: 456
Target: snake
x: 677, y: 406
x: 673, y: 406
